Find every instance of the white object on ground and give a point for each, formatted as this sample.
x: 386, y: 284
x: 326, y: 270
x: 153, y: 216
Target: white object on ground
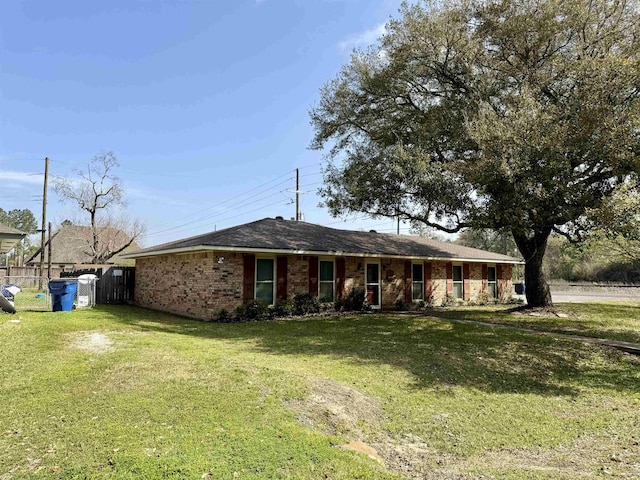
x: 13, y: 289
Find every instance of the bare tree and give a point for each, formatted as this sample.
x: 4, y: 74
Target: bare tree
x: 97, y: 191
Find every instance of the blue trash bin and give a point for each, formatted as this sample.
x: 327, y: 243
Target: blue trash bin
x: 63, y: 293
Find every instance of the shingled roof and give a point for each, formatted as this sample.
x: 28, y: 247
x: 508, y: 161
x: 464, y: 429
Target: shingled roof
x: 9, y: 236
x: 288, y: 236
x: 70, y: 245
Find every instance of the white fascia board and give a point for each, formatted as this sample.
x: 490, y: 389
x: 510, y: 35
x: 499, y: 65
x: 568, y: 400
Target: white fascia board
x: 203, y: 248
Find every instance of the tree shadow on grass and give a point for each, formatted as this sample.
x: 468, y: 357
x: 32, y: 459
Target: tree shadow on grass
x: 436, y: 353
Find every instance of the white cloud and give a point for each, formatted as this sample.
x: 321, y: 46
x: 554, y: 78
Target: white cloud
x: 363, y: 39
x: 21, y: 177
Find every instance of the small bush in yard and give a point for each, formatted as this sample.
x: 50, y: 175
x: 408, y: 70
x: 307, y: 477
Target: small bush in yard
x: 327, y: 307
x: 448, y: 300
x: 223, y: 315
x: 421, y: 305
x: 485, y: 298
x: 305, y: 303
x: 240, y: 312
x: 354, y: 302
x: 283, y: 309
x: 257, y: 310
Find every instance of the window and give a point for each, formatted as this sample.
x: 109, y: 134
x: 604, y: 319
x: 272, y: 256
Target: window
x: 372, y: 281
x: 417, y: 284
x: 458, y: 285
x: 264, y: 280
x: 326, y: 281
x: 491, y: 282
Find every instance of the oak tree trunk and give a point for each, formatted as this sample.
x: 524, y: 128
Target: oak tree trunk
x: 532, y: 249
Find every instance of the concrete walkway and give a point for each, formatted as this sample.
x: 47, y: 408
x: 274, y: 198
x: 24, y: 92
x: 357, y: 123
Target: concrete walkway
x: 629, y: 347
x: 573, y: 297
x: 577, y: 296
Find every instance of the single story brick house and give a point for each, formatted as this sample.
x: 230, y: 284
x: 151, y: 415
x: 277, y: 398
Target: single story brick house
x: 274, y: 259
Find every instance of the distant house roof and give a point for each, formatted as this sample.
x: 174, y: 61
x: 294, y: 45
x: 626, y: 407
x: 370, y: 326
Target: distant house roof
x: 70, y: 245
x: 9, y: 236
x: 287, y: 236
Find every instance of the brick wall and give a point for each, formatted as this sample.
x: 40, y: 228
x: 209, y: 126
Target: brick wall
x: 505, y: 284
x: 393, y: 282
x: 475, y: 279
x: 195, y: 285
x: 297, y: 275
x: 200, y: 284
x: 439, y: 284
x: 354, y: 273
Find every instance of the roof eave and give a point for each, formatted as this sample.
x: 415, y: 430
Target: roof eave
x: 272, y: 251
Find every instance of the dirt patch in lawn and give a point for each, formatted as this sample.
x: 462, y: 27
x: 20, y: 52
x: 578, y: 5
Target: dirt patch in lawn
x: 586, y: 457
x: 338, y: 409
x: 94, y: 342
x: 542, y: 312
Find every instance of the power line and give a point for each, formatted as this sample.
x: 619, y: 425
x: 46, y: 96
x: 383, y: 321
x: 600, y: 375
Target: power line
x: 309, y: 165
x: 258, y: 196
x: 235, y: 216
x: 249, y: 200
x: 310, y: 174
x: 226, y: 202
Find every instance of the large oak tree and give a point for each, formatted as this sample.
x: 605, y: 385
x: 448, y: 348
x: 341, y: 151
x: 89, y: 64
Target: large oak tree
x: 518, y: 115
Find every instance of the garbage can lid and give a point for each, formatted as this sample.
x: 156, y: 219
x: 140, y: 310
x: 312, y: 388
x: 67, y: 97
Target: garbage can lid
x: 87, y: 278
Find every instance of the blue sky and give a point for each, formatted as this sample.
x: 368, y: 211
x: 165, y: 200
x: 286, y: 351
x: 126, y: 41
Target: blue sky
x: 204, y: 103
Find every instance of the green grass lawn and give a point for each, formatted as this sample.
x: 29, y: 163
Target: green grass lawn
x: 33, y: 299
x: 611, y: 320
x: 122, y: 392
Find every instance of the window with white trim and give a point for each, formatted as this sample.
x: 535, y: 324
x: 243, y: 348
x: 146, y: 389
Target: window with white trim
x: 265, y: 280
x: 492, y: 283
x: 458, y: 284
x: 326, y: 281
x: 372, y: 282
x: 417, y: 283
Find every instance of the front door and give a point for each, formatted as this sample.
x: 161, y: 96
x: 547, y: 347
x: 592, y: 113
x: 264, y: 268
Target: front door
x: 373, y: 284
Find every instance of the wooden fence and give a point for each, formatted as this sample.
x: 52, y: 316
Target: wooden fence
x: 11, y: 271
x: 115, y: 284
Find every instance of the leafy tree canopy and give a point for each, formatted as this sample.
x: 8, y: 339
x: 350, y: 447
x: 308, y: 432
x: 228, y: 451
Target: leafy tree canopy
x: 614, y: 228
x: 490, y: 240
x: 22, y: 219
x: 518, y: 115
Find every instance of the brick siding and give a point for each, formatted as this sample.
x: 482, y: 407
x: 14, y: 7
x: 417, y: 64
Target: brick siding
x: 201, y: 284
x: 439, y: 279
x: 392, y: 282
x: 195, y: 285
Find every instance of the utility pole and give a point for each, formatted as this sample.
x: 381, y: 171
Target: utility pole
x: 44, y: 219
x: 49, y: 254
x: 297, y: 194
